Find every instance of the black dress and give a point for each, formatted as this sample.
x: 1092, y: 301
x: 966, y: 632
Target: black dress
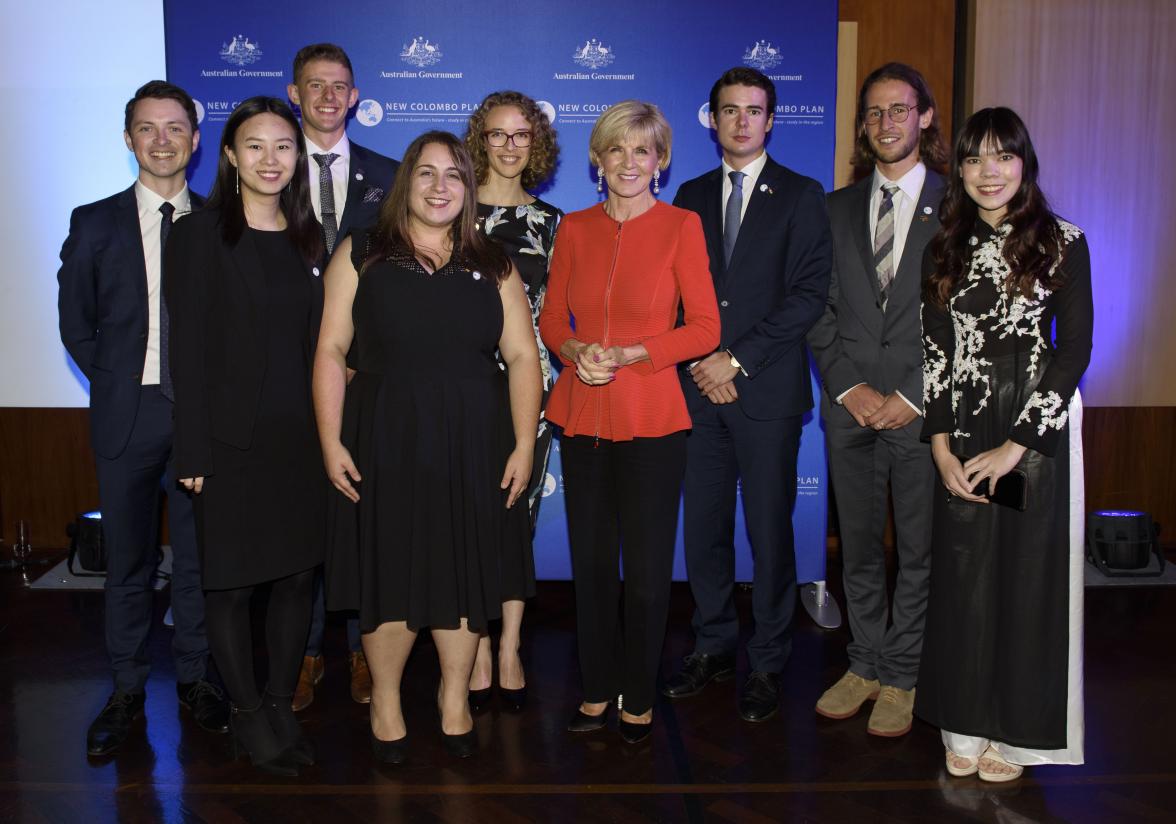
x: 427, y: 421
x: 262, y: 514
x: 1001, y: 655
x: 527, y: 234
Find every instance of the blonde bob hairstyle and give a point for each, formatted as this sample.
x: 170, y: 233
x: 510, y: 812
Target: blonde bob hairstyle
x: 631, y: 119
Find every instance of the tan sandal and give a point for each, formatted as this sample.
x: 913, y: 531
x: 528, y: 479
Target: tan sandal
x: 972, y: 764
x: 992, y: 755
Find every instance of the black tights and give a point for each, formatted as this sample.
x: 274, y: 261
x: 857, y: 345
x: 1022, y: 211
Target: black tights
x: 230, y: 636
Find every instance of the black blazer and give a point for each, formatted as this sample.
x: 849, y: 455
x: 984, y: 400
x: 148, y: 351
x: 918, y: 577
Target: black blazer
x: 369, y: 182
x: 774, y: 289
x: 218, y: 334
x: 855, y: 341
x: 102, y: 311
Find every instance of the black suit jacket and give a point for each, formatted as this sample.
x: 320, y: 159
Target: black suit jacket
x: 102, y: 311
x: 855, y: 341
x: 774, y: 288
x: 368, y: 183
x: 215, y: 300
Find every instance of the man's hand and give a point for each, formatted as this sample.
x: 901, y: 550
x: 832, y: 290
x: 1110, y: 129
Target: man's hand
x: 723, y: 394
x: 894, y: 413
x: 713, y: 371
x: 862, y: 401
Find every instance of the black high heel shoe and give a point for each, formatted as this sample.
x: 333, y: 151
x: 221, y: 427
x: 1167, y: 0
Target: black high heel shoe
x: 280, y: 712
x: 253, y: 735
x: 583, y: 722
x: 390, y: 752
x: 514, y: 700
x: 634, y: 733
x: 461, y: 745
x: 480, y: 698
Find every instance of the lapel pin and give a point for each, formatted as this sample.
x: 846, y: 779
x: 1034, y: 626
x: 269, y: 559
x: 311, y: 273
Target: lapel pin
x: 766, y: 188
x: 477, y: 275
x: 927, y: 210
x: 315, y: 271
x: 359, y: 175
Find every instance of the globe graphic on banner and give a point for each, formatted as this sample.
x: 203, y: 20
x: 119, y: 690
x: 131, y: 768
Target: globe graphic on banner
x: 369, y: 112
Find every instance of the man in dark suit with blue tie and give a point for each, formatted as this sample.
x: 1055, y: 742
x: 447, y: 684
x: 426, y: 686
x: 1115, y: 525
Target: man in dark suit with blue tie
x: 114, y: 325
x: 769, y: 245
x: 348, y: 184
x: 868, y: 345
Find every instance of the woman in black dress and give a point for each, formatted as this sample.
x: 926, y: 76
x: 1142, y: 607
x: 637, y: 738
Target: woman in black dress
x: 430, y: 444
x: 244, y: 298
x: 513, y: 148
x: 1001, y: 671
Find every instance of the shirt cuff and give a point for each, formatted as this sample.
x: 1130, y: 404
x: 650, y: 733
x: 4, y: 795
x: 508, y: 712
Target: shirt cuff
x: 918, y: 411
x: 855, y: 386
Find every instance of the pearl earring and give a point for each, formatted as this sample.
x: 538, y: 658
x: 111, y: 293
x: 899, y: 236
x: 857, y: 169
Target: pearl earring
x: 238, y: 172
x: 656, y: 178
x: 600, y: 179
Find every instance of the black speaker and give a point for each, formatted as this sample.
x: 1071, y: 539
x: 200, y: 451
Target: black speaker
x: 1120, y: 543
x: 87, y: 554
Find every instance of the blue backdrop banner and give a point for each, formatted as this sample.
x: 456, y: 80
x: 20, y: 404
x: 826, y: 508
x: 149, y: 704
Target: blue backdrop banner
x: 422, y: 66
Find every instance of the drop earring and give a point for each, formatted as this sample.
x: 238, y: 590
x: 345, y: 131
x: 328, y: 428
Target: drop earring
x: 656, y: 178
x: 238, y: 172
x: 600, y: 179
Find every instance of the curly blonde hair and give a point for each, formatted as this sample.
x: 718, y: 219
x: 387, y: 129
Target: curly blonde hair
x: 544, y: 148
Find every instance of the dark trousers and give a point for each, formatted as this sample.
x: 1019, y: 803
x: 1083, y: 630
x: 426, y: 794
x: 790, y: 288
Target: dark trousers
x: 622, y: 505
x: 864, y: 466
x: 318, y: 622
x: 728, y: 451
x: 129, y: 488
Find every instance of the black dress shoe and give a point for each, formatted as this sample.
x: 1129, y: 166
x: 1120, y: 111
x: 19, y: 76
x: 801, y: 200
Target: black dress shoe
x: 513, y: 700
x: 480, y: 698
x: 390, y: 752
x: 583, y: 722
x: 111, y: 726
x: 761, y: 696
x: 697, y: 671
x: 462, y: 745
x: 207, y: 703
x: 634, y: 733
x: 253, y: 735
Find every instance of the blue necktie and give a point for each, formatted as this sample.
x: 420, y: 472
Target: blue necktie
x: 732, y: 216
x: 165, y: 382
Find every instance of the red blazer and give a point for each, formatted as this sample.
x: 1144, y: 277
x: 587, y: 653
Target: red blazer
x: 624, y: 283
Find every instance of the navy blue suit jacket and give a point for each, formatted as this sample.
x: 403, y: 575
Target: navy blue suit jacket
x: 102, y: 312
x: 774, y: 289
x: 369, y: 182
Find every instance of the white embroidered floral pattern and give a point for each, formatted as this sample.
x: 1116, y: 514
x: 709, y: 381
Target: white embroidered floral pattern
x: 1049, y: 405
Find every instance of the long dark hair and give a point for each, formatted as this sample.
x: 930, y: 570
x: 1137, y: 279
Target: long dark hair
x: 1034, y: 242
x: 932, y: 150
x: 392, y: 229
x: 302, y: 226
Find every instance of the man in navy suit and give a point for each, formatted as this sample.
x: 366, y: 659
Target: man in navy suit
x: 868, y: 345
x: 113, y: 324
x: 348, y: 184
x: 770, y: 250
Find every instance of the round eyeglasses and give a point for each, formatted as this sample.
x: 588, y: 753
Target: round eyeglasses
x: 898, y: 113
x: 498, y: 138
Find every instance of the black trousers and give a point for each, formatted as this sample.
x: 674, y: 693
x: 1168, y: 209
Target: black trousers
x: 129, y: 488
x: 622, y: 506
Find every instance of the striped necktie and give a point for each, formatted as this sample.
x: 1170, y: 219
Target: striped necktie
x: 327, y: 199
x: 884, y: 242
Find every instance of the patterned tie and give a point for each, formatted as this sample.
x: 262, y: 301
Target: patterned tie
x: 165, y: 382
x: 732, y: 216
x: 327, y: 197
x: 884, y: 242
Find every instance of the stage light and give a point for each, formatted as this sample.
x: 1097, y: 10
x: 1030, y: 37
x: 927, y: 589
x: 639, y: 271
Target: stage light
x: 1120, y: 543
x: 87, y: 554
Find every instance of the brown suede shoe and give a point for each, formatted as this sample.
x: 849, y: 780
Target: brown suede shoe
x: 892, y: 712
x: 361, y: 679
x: 845, y: 698
x: 308, y: 678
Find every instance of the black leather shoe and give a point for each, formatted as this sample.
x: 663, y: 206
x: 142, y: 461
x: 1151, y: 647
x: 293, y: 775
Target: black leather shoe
x: 207, y: 703
x: 697, y: 671
x: 761, y: 696
x: 111, y: 726
x: 462, y: 745
x: 634, y: 733
x: 583, y: 722
x: 390, y: 752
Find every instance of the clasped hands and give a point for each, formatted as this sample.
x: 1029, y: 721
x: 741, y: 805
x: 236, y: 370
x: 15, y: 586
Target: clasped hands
x: 963, y: 478
x: 596, y: 365
x: 715, y: 377
x: 871, y: 408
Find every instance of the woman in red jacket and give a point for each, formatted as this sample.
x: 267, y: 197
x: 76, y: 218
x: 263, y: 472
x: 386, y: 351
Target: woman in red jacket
x: 622, y: 270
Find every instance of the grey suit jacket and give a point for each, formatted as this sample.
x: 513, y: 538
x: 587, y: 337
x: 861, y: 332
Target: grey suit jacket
x: 854, y: 341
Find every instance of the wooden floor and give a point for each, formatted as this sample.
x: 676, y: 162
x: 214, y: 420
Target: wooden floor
x: 701, y: 764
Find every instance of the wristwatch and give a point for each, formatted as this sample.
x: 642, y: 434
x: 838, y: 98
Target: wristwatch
x: 734, y: 362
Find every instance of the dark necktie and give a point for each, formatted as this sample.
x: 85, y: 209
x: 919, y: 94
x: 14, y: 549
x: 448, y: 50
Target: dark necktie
x: 165, y: 383
x: 732, y: 216
x: 327, y: 199
x: 884, y: 242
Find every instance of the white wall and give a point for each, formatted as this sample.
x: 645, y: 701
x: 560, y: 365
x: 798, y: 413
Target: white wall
x: 67, y: 68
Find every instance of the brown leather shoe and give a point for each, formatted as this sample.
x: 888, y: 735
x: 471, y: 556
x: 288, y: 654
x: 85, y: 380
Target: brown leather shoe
x: 892, y: 712
x: 361, y: 679
x: 308, y: 678
x: 845, y: 698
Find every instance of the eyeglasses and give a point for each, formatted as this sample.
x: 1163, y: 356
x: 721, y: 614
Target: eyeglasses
x: 497, y: 138
x: 898, y: 113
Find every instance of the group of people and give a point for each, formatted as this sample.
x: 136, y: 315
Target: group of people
x: 391, y: 323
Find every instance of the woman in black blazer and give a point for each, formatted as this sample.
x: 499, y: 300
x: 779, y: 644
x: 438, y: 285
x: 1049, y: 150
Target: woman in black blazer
x: 244, y: 299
